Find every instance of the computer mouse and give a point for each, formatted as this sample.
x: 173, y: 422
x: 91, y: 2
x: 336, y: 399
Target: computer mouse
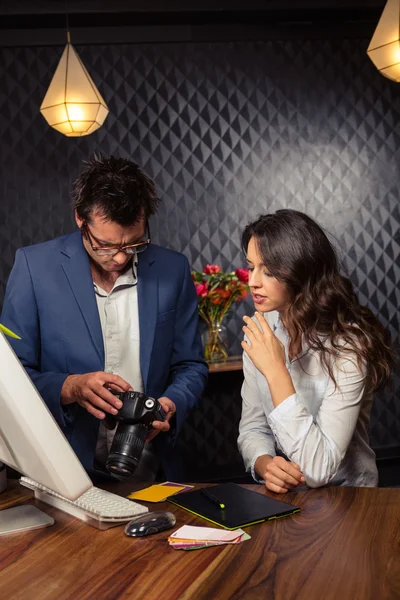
x: 152, y: 522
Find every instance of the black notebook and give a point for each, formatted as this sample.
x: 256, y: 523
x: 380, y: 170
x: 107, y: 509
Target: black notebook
x: 242, y: 506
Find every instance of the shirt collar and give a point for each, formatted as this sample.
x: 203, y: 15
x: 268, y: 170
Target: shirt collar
x: 278, y: 325
x: 126, y: 279
x: 280, y: 330
x: 130, y: 277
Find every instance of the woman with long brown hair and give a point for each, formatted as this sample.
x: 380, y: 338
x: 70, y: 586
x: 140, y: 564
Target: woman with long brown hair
x: 313, y: 356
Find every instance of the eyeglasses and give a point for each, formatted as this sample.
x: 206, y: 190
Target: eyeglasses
x: 113, y: 250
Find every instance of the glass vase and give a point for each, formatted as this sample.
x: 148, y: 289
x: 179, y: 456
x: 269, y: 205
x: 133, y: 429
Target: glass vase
x: 215, y: 342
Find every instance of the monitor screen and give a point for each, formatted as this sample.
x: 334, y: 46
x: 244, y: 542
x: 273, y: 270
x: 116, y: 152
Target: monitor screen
x: 30, y: 439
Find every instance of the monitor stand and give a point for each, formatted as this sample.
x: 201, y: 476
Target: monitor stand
x: 23, y: 518
x: 20, y: 518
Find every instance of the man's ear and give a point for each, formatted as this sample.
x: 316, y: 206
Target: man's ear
x: 78, y: 220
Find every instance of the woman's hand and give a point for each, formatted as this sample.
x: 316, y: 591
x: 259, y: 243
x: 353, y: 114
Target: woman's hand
x: 279, y: 474
x: 268, y: 355
x: 265, y: 350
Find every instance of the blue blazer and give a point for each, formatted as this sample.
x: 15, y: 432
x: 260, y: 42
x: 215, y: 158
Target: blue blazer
x: 50, y: 302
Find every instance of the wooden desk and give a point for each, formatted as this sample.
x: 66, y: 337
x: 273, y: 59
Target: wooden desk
x: 233, y: 363
x: 344, y: 545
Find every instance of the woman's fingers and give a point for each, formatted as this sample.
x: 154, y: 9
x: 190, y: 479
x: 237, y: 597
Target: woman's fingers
x: 251, y: 328
x: 259, y: 330
x: 249, y: 334
x: 275, y: 488
x: 292, y: 470
x: 289, y: 473
x: 285, y: 479
x: 276, y: 480
x: 265, y: 327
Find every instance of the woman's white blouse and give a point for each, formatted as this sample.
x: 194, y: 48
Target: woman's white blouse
x: 322, y: 429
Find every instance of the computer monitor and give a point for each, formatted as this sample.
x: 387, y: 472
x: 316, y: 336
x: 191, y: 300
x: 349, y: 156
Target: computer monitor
x: 30, y: 439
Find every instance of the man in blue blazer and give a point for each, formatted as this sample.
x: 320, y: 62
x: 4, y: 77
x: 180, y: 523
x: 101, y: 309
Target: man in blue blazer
x: 104, y: 307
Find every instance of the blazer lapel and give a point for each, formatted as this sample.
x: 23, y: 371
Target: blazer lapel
x: 148, y: 308
x: 75, y: 263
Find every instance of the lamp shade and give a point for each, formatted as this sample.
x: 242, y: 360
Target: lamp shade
x: 384, y: 48
x: 73, y: 104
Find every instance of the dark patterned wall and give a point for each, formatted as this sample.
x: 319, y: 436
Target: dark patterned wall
x: 228, y: 131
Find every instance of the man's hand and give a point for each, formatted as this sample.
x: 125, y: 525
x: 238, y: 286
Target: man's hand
x: 89, y: 391
x: 170, y: 409
x: 279, y: 474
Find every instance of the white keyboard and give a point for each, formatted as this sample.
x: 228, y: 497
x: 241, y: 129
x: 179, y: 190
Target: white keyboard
x: 95, y: 506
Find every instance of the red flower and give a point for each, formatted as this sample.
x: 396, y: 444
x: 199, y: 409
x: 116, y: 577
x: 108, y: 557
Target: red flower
x: 243, y: 294
x: 219, y: 295
x: 233, y: 286
x: 242, y: 275
x: 211, y: 269
x: 201, y: 289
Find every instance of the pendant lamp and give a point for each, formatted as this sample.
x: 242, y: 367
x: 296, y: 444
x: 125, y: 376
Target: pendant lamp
x: 73, y: 104
x: 384, y: 48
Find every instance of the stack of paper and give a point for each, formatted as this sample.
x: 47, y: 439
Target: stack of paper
x: 190, y: 537
x: 159, y: 492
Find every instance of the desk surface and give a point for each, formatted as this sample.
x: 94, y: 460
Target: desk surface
x: 344, y: 544
x: 233, y: 363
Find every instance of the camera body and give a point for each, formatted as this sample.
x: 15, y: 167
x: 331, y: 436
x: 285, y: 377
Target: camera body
x: 134, y: 420
x: 136, y: 408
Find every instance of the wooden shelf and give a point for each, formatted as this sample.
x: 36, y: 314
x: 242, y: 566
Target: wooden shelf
x: 233, y: 363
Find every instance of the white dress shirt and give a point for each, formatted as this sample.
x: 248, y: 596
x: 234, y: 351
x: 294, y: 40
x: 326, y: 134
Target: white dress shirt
x: 119, y: 318
x: 322, y: 429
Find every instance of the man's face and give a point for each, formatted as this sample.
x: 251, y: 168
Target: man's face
x: 106, y: 234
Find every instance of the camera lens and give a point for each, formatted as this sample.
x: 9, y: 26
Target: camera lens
x: 126, y: 449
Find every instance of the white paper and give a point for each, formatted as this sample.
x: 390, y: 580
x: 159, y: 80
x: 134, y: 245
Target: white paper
x: 208, y: 534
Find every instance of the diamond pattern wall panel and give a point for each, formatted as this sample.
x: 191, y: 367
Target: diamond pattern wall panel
x: 208, y: 439
x: 228, y: 131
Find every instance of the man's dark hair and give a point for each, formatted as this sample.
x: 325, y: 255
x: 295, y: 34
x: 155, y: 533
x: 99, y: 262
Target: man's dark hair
x: 116, y: 188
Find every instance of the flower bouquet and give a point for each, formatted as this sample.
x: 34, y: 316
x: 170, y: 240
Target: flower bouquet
x: 216, y: 292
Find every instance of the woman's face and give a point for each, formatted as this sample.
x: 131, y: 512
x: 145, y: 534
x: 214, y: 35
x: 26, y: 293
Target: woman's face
x: 267, y: 292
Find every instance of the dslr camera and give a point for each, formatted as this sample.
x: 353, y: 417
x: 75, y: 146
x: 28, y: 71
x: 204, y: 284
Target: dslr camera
x: 134, y: 420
